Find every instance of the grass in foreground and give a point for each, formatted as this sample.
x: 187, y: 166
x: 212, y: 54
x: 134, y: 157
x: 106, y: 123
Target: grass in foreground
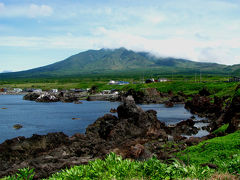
x: 221, y: 151
x: 114, y: 167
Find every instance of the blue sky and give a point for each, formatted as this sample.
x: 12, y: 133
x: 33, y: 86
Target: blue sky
x: 34, y: 33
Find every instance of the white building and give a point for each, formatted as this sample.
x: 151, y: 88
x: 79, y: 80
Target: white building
x: 111, y: 82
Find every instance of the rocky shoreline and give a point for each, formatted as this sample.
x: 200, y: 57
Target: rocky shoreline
x: 147, y: 96
x: 133, y: 133
x: 13, y: 93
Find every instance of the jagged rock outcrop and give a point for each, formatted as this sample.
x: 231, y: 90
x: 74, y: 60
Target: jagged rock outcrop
x: 232, y: 115
x: 204, y: 92
x: 152, y: 95
x: 146, y: 96
x: 54, y: 97
x: 183, y: 128
x: 31, y: 96
x: 169, y: 104
x: 203, y: 106
x: 132, y: 122
x: 47, y: 97
x: 217, y: 113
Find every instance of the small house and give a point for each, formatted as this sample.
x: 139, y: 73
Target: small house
x: 3, y: 90
x: 122, y: 82
x: 111, y: 82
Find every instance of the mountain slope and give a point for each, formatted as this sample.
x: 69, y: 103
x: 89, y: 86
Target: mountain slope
x: 115, y: 61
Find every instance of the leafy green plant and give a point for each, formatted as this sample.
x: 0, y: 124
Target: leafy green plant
x: 114, y: 167
x: 22, y: 174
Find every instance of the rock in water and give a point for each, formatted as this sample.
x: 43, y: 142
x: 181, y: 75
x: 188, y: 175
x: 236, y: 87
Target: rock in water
x: 112, y: 110
x: 17, y: 126
x: 129, y: 109
x: 168, y: 104
x: 31, y: 96
x: 131, y: 122
x: 47, y: 97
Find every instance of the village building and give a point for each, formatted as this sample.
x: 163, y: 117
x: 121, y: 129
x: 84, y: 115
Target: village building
x: 3, y: 90
x: 112, y: 82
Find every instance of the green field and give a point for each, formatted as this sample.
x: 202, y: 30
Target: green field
x: 217, y: 85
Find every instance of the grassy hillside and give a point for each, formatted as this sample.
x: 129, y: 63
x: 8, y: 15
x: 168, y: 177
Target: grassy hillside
x: 221, y: 151
x: 118, y: 62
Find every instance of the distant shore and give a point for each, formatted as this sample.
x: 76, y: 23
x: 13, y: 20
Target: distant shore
x: 13, y: 93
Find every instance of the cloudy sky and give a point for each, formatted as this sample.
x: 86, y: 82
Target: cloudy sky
x: 34, y: 33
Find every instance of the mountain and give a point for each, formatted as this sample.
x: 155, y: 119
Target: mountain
x: 107, y: 61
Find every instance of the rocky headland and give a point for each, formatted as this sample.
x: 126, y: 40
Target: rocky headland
x: 133, y: 133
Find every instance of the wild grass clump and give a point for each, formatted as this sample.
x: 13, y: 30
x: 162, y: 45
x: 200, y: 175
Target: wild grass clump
x: 114, y: 167
x: 22, y: 174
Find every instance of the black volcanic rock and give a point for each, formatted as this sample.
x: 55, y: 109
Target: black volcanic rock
x: 204, y: 92
x: 146, y: 96
x: 31, y: 96
x: 203, y: 106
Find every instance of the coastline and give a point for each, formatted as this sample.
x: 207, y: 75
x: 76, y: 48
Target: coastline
x: 13, y: 93
x: 133, y: 133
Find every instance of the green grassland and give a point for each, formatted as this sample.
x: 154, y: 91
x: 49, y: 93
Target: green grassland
x: 188, y: 84
x: 222, y: 151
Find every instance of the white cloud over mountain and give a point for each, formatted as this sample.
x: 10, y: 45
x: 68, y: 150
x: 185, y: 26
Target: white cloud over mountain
x: 193, y: 29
